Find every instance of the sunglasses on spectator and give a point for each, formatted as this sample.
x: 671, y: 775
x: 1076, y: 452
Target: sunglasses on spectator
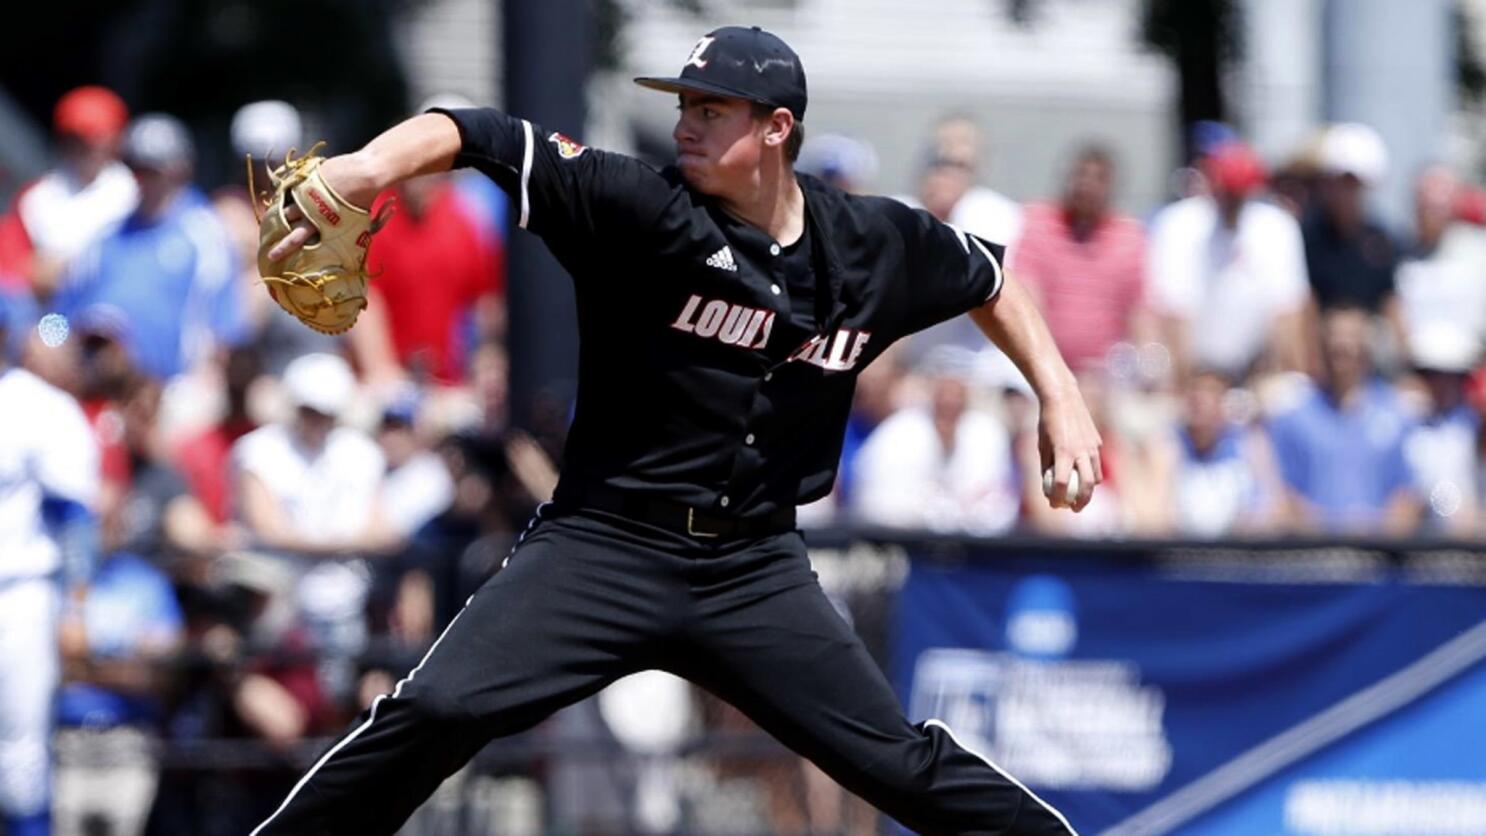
x: 938, y: 161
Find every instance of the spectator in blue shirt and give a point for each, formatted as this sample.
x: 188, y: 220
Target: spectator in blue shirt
x: 109, y: 710
x: 133, y: 625
x: 169, y: 269
x: 1341, y: 448
x: 1213, y: 476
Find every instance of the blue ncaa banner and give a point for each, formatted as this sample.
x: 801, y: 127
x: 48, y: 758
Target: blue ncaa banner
x: 1316, y: 691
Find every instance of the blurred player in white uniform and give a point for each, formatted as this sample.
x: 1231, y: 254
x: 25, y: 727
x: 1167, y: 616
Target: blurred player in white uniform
x: 48, y: 489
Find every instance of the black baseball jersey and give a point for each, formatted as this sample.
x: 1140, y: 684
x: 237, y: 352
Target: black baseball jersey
x: 704, y: 377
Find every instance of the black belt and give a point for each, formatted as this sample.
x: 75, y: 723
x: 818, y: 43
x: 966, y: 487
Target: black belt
x: 700, y: 523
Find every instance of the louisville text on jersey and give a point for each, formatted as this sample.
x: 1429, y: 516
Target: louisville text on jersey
x: 727, y: 323
x: 566, y: 148
x: 836, y: 352
x: 745, y: 327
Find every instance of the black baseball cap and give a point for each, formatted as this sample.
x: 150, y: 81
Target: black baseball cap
x: 741, y: 62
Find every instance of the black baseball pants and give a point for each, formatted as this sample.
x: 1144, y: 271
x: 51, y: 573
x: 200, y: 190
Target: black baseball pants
x: 587, y: 598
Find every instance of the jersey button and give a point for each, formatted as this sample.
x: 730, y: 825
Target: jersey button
x: 775, y: 288
x: 748, y: 439
x: 724, y: 502
x: 773, y: 249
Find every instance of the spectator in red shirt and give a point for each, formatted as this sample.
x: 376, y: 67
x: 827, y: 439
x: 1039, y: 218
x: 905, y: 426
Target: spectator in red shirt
x: 1084, y: 263
x: 204, y: 459
x: 433, y: 269
x: 105, y: 377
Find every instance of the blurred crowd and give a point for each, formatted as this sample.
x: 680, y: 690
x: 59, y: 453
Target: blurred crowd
x: 287, y: 519
x: 284, y: 518
x: 1264, y: 356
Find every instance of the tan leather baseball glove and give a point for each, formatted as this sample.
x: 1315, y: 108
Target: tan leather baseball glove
x: 323, y: 284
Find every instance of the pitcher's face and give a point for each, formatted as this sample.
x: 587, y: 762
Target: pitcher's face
x: 719, y: 142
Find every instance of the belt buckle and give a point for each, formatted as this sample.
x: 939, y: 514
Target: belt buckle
x: 690, y: 518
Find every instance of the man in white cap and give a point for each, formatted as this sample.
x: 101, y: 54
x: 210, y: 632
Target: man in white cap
x: 1441, y: 447
x: 309, y: 488
x: 1350, y: 257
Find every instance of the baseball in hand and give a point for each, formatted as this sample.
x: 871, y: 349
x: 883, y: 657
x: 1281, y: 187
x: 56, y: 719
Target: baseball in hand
x: 1047, y: 483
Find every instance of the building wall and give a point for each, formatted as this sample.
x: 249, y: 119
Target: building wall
x: 884, y: 70
x: 453, y: 46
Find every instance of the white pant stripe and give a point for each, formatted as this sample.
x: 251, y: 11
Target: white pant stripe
x: 520, y: 538
x: 397, y: 690
x: 371, y: 718
x: 1007, y: 775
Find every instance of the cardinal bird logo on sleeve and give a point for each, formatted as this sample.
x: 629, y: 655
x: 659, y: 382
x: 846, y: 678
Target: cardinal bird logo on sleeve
x: 567, y: 148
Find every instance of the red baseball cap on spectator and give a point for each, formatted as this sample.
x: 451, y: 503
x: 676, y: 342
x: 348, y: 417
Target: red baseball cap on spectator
x: 1233, y: 168
x: 94, y: 113
x: 1470, y: 205
x: 1475, y: 390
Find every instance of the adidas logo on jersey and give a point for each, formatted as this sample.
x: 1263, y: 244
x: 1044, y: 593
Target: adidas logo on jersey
x: 723, y: 260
